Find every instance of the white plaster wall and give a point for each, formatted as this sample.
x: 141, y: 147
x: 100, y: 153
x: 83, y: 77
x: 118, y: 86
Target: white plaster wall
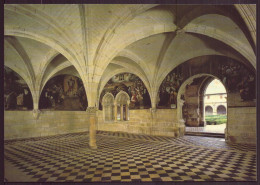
x: 21, y: 124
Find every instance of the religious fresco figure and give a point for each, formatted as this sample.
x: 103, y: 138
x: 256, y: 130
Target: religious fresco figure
x: 64, y: 92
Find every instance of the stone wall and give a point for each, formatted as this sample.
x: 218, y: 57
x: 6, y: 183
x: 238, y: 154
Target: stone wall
x: 22, y: 124
x: 241, y: 127
x: 162, y: 122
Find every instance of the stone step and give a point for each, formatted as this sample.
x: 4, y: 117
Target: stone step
x: 205, y: 134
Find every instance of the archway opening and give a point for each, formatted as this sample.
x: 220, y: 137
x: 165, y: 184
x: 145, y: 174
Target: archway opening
x: 208, y: 110
x: 203, y: 97
x: 215, y: 107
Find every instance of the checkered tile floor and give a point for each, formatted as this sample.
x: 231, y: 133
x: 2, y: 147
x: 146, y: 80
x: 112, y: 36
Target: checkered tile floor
x: 130, y: 157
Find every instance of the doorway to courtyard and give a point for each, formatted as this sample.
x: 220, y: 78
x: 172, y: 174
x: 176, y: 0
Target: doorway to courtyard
x: 215, y: 107
x: 205, y: 107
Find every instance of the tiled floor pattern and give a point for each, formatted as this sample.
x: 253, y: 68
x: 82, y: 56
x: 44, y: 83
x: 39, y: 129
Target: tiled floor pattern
x: 131, y: 157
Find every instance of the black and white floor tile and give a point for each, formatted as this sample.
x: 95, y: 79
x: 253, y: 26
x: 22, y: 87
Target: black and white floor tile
x: 124, y: 157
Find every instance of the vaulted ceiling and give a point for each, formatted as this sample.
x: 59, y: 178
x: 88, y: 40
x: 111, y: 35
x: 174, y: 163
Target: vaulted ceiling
x: 95, y: 42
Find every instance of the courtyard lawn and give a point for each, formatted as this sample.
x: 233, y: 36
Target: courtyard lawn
x: 219, y: 119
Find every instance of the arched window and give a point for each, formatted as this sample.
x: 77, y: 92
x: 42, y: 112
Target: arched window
x: 208, y: 110
x: 108, y: 106
x: 221, y: 109
x: 122, y: 106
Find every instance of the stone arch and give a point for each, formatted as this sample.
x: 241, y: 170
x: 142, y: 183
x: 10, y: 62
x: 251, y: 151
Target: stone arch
x: 181, y: 92
x: 122, y: 101
x: 221, y: 109
x: 208, y: 110
x: 108, y: 107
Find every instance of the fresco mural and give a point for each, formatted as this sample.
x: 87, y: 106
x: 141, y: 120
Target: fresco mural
x: 238, y: 79
x: 169, y: 89
x: 17, y: 95
x: 133, y: 86
x: 64, y: 92
x: 240, y: 84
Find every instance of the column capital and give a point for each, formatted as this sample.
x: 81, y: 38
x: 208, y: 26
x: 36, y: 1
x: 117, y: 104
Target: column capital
x: 91, y: 110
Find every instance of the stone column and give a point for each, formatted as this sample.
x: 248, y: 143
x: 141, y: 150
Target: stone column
x: 92, y: 127
x: 153, y: 120
x: 121, y: 112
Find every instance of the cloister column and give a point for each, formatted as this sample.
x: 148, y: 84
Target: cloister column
x: 91, y: 90
x: 91, y: 111
x: 121, y: 112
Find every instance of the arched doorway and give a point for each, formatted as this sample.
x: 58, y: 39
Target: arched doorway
x: 215, y: 103
x: 194, y: 107
x: 221, y: 110
x: 208, y: 110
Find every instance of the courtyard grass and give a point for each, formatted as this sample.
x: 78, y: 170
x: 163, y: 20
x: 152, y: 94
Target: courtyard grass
x: 218, y: 119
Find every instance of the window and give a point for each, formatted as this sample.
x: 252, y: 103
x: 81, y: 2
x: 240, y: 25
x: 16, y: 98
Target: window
x: 122, y: 106
x: 108, y: 107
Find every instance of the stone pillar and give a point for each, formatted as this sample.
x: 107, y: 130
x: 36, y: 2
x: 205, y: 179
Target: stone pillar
x: 121, y: 112
x: 153, y: 120
x: 92, y: 127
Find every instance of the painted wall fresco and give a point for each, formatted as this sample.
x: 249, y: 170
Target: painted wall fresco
x: 133, y: 86
x: 169, y: 89
x: 17, y: 95
x: 238, y: 79
x: 240, y: 84
x: 64, y: 92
